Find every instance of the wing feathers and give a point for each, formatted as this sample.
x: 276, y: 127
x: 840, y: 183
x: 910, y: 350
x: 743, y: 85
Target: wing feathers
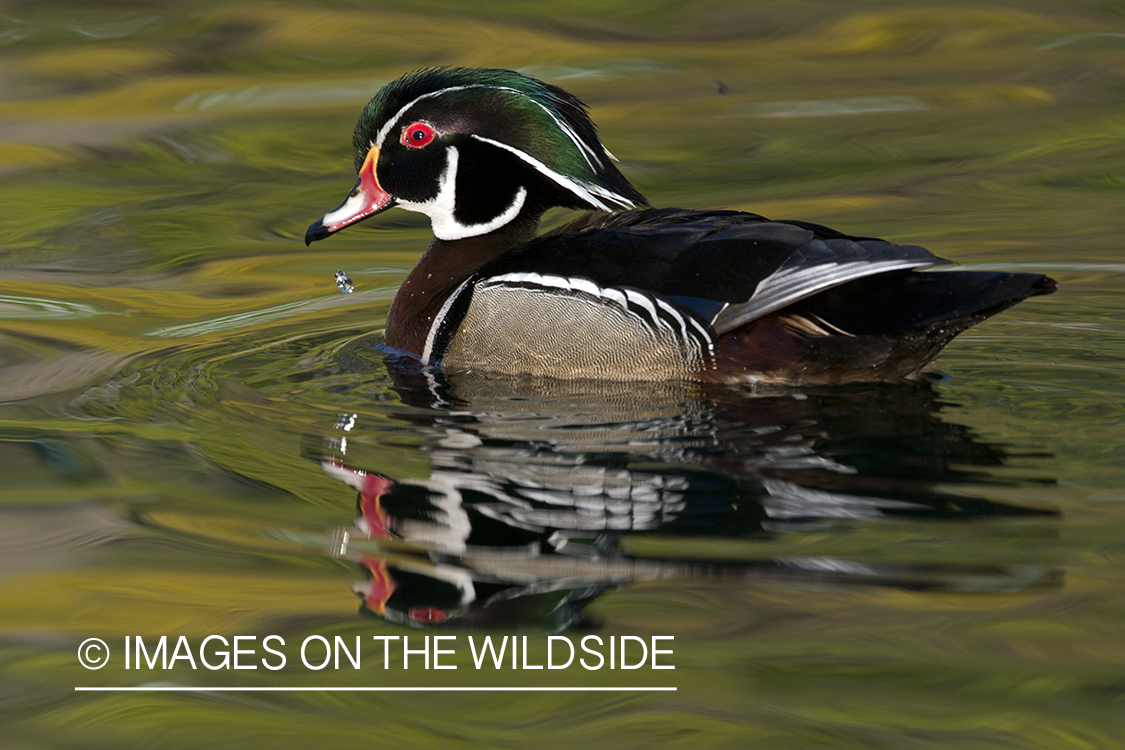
x: 727, y: 267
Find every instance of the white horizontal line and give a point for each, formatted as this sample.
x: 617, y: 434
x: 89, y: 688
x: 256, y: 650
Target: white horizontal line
x: 385, y: 689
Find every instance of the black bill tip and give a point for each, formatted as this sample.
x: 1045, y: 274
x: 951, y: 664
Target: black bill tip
x: 317, y: 231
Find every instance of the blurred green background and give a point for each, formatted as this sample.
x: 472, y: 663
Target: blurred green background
x: 159, y: 163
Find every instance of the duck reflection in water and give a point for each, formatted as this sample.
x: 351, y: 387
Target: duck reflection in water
x: 541, y: 491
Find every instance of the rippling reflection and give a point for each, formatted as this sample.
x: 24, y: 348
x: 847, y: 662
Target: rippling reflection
x: 538, y: 487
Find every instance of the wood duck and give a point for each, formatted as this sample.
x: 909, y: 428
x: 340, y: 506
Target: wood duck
x: 643, y: 294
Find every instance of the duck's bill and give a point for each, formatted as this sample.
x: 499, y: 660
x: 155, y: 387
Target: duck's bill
x: 366, y: 199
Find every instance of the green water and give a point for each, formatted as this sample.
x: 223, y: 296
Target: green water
x: 182, y: 389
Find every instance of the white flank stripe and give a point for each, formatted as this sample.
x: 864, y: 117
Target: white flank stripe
x: 621, y: 297
x: 706, y: 335
x: 676, y: 315
x: 557, y: 282
x: 617, y: 296
x: 642, y: 301
x: 585, y: 285
x: 569, y: 283
x: 438, y: 319
x: 531, y: 276
x: 689, y: 319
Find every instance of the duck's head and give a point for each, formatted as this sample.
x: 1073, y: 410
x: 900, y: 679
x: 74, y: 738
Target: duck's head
x: 475, y: 150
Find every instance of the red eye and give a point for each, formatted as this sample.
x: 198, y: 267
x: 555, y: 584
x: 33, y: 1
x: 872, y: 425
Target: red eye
x: 418, y: 135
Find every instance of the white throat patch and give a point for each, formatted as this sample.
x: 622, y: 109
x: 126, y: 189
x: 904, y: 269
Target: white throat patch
x: 440, y: 207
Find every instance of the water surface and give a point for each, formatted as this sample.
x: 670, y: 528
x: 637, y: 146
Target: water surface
x: 202, y: 435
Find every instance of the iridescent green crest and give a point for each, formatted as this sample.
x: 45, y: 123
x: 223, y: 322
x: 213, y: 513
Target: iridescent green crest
x: 547, y: 125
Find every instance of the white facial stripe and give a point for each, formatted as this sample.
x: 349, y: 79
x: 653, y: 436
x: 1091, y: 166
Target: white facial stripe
x: 382, y: 136
x: 440, y: 207
x: 583, y: 190
x: 583, y: 147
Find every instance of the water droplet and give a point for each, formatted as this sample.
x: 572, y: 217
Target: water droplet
x: 343, y: 283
